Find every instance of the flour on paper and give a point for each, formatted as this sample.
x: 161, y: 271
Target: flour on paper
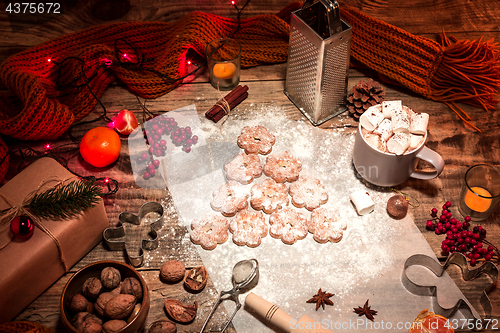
x: 366, y: 264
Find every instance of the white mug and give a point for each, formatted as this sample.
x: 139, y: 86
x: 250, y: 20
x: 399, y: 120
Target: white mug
x: 387, y: 169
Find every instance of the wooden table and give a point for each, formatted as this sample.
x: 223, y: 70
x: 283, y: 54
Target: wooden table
x: 460, y: 146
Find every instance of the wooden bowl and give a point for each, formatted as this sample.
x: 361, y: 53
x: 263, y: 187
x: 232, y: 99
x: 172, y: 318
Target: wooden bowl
x: 75, y: 283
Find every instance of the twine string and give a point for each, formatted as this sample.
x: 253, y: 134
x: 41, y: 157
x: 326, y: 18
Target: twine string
x: 223, y: 103
x: 21, y: 209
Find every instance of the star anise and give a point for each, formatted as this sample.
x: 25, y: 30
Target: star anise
x: 365, y: 310
x: 321, y: 298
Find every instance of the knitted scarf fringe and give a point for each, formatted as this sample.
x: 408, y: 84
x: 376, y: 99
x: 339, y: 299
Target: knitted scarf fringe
x: 453, y: 71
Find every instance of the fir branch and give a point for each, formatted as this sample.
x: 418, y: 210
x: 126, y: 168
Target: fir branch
x: 65, y: 201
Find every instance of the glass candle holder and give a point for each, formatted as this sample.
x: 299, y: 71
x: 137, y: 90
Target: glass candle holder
x: 480, y: 192
x: 224, y: 62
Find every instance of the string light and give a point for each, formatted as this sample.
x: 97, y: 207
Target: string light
x: 233, y: 2
x: 105, y: 63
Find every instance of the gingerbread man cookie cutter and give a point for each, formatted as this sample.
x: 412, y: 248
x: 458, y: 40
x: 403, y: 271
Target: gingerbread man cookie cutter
x: 447, y: 302
x: 114, y: 236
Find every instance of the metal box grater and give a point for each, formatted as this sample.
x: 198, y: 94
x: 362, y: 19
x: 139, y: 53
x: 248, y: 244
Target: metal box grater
x: 318, y: 61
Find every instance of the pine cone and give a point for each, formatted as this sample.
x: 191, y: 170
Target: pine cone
x: 363, y: 95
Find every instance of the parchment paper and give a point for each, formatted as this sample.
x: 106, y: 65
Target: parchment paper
x: 366, y: 264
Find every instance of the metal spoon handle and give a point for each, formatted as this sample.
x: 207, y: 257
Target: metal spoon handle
x: 211, y: 312
x: 216, y: 304
x: 238, y: 306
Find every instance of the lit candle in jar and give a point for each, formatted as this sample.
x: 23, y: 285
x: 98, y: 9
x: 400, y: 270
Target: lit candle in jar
x: 224, y: 71
x: 477, y: 199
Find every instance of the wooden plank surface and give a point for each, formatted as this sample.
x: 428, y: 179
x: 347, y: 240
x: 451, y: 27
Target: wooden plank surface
x: 459, y: 145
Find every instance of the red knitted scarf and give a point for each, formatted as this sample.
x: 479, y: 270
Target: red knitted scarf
x: 37, y: 108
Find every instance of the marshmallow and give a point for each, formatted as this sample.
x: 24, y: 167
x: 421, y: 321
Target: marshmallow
x: 389, y: 107
x: 384, y: 129
x: 362, y: 202
x: 398, y: 143
x: 376, y: 142
x: 419, y: 122
x: 371, y: 117
x: 409, y: 111
x: 415, y: 141
x: 401, y: 122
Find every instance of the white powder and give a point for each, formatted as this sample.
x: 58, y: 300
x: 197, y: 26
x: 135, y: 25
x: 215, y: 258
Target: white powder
x: 366, y: 264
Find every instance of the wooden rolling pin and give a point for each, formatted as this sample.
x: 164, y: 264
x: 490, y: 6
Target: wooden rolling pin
x: 279, y: 318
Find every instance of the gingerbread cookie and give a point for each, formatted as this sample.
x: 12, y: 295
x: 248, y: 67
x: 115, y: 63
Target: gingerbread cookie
x: 308, y: 192
x: 248, y: 228
x: 282, y: 167
x: 256, y: 140
x: 244, y: 168
x: 209, y: 231
x: 288, y: 224
x: 268, y: 196
x: 229, y: 198
x: 326, y: 225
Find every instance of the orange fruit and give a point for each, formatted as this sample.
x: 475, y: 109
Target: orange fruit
x: 429, y: 322
x: 100, y: 146
x: 125, y: 122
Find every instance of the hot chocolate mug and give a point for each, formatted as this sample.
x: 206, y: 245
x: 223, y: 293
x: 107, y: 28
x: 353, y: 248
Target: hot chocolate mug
x: 386, y: 169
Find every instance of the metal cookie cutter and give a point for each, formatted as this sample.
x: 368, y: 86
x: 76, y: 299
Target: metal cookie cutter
x: 446, y: 303
x: 113, y: 236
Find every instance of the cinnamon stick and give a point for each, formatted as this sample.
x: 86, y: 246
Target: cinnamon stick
x: 235, y: 93
x: 235, y: 97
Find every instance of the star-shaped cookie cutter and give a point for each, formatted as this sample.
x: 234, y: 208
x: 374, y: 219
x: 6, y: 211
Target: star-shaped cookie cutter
x: 418, y: 286
x: 113, y: 236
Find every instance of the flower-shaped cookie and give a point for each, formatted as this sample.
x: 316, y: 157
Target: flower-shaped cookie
x: 282, y: 167
x: 209, y: 231
x: 308, y: 192
x: 288, y: 224
x: 256, y: 140
x: 268, y: 196
x: 244, y: 168
x: 248, y: 228
x: 326, y: 225
x: 229, y: 198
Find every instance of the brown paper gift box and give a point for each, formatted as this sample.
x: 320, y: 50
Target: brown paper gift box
x: 29, y: 267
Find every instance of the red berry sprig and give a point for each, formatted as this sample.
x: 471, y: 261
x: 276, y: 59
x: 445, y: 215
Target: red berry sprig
x: 154, y: 130
x: 459, y: 237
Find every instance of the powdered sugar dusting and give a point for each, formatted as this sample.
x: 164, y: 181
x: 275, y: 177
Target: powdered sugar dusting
x: 366, y: 263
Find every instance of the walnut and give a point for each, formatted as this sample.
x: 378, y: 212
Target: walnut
x: 132, y: 286
x: 172, y: 271
x: 113, y: 326
x: 118, y: 289
x: 196, y: 279
x: 79, y: 303
x: 163, y: 326
x: 92, y: 287
x: 180, y: 312
x: 100, y: 303
x: 86, y: 322
x: 120, y: 306
x: 110, y: 277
